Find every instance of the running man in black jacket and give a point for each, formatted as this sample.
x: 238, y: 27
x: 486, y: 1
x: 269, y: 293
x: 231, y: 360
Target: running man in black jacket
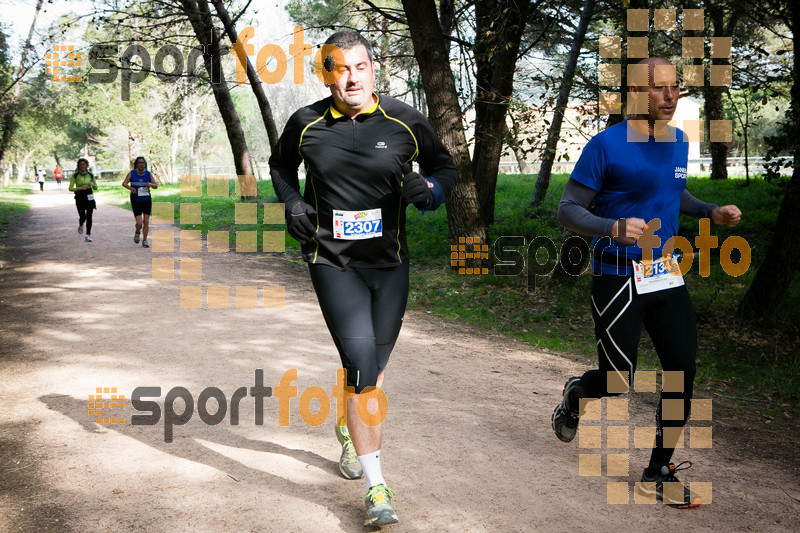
x: 357, y: 148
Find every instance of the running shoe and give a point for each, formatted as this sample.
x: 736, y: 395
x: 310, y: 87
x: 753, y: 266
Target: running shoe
x: 380, y: 506
x: 677, y: 495
x: 88, y: 238
x: 145, y: 244
x: 80, y: 228
x: 136, y: 238
x: 348, y: 462
x: 565, y: 416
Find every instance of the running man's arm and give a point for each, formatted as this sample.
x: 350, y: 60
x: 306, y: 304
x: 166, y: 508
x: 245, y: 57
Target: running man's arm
x: 436, y: 162
x: 573, y: 212
x: 285, y: 160
x: 691, y: 206
x: 726, y: 215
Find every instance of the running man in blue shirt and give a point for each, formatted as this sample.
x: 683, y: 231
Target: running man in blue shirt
x: 635, y: 172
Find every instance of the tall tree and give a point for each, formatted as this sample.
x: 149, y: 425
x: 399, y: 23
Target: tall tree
x: 202, y: 23
x: 554, y: 132
x: 8, y: 104
x: 771, y: 283
x: 723, y: 19
x: 252, y: 76
x: 431, y: 50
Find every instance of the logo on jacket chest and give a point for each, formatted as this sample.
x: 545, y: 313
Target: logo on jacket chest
x: 381, y: 145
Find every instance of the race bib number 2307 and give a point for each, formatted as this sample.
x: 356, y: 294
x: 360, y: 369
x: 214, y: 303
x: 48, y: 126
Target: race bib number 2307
x: 357, y: 225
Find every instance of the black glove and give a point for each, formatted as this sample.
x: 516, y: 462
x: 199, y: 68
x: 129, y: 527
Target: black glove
x: 299, y: 222
x: 415, y: 189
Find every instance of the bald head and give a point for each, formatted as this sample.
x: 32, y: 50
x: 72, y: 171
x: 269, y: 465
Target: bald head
x: 653, y: 91
x: 658, y: 70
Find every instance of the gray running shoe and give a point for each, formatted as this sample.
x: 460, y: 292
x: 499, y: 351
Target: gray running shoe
x: 145, y: 244
x: 380, y: 506
x: 88, y: 238
x: 136, y: 238
x: 677, y: 495
x: 348, y: 462
x: 80, y: 228
x: 565, y: 416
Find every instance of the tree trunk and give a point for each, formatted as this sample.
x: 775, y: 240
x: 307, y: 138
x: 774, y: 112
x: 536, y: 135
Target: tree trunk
x: 252, y: 75
x: 8, y: 108
x: 766, y: 295
x: 501, y: 25
x: 431, y: 52
x: 719, y: 150
x: 203, y: 26
x: 562, y: 101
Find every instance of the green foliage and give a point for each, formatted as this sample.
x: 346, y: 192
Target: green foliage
x: 13, y: 205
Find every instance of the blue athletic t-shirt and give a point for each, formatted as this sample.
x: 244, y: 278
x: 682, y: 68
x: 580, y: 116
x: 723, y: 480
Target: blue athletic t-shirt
x: 138, y: 181
x: 635, y: 176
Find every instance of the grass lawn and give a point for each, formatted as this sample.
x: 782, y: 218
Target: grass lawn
x: 755, y: 363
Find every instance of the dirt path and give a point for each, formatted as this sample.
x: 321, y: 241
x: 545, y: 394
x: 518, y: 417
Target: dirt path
x: 468, y: 444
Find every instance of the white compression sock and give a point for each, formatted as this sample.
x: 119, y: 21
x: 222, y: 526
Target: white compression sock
x: 371, y: 463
